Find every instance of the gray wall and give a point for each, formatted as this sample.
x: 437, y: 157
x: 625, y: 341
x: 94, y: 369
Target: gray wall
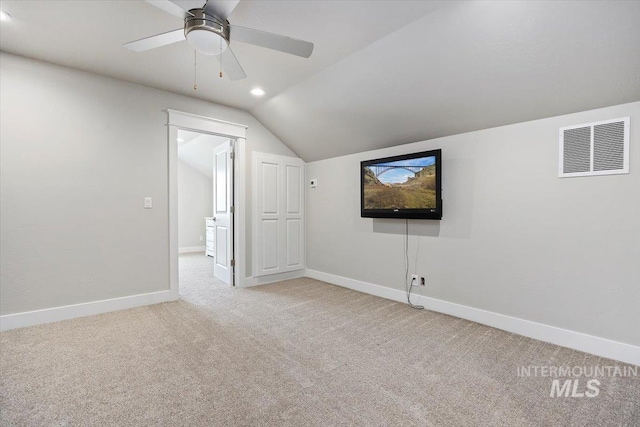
x: 195, y: 201
x: 515, y: 239
x: 79, y: 154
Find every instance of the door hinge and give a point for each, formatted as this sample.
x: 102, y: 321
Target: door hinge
x: 233, y: 155
x: 232, y: 209
x: 233, y: 263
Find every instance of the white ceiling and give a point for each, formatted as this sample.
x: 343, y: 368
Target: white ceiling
x: 89, y: 35
x: 196, y: 150
x: 382, y: 73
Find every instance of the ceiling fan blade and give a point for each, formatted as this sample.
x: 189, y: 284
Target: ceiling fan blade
x: 230, y: 65
x: 187, y: 5
x: 169, y: 7
x: 156, y: 41
x: 271, y: 41
x: 220, y: 8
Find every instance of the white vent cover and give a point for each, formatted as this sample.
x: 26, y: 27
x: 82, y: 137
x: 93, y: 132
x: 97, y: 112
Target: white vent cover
x: 600, y: 148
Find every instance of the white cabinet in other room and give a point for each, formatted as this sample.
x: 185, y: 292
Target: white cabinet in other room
x: 209, y: 224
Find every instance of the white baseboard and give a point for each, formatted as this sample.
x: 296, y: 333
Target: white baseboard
x: 48, y: 315
x: 191, y: 249
x: 575, y: 340
x: 272, y: 278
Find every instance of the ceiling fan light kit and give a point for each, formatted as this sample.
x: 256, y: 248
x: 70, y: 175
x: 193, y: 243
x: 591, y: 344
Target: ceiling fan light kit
x: 207, y: 34
x: 208, y: 30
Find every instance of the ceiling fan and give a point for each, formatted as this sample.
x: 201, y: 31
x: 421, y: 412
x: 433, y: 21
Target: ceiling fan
x: 208, y: 30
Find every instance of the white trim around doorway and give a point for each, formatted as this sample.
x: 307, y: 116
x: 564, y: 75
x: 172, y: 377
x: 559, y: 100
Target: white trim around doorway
x: 192, y: 122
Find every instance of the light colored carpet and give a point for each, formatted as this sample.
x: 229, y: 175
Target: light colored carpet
x: 296, y: 353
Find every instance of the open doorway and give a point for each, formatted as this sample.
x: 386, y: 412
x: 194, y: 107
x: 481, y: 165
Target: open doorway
x: 235, y: 207
x: 205, y: 214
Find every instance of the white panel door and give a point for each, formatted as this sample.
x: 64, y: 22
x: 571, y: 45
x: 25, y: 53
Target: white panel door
x: 278, y: 195
x: 268, y: 192
x: 223, y: 212
x: 293, y: 231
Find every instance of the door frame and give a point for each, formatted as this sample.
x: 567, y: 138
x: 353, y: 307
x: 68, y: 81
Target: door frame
x: 192, y: 122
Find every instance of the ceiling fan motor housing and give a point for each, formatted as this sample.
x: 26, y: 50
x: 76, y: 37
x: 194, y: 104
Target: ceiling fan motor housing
x: 206, y: 33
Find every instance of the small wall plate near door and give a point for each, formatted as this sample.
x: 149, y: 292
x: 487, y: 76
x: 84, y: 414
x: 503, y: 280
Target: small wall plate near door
x: 313, y: 183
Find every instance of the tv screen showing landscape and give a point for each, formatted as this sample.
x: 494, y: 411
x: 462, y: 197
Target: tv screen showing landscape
x: 406, y: 186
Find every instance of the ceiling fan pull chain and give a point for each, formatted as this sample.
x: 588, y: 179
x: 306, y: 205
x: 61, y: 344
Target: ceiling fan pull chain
x: 220, y: 58
x: 195, y: 70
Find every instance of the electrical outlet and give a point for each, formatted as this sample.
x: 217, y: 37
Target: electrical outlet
x: 422, y: 282
x: 415, y: 280
x: 148, y: 203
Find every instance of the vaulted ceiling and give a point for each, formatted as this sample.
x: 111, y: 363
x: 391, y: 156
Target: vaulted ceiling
x: 196, y: 150
x: 382, y: 73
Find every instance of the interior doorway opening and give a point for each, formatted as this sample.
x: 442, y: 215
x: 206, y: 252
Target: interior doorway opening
x: 228, y: 194
x: 205, y: 223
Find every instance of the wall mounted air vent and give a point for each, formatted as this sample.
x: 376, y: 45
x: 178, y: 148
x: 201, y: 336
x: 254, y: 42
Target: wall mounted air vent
x: 600, y: 148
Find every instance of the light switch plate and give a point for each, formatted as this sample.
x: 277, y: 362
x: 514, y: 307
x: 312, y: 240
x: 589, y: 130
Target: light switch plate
x: 313, y: 183
x: 148, y: 203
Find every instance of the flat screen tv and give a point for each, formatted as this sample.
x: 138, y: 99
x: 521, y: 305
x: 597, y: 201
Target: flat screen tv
x: 407, y: 186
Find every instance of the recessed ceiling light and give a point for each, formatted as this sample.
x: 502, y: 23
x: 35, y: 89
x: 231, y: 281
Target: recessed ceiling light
x: 4, y: 16
x: 257, y: 92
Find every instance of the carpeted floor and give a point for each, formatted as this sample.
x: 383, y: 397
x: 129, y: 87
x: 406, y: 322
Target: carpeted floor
x: 297, y: 353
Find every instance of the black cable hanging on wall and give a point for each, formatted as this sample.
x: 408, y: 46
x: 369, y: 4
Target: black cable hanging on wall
x: 408, y: 284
